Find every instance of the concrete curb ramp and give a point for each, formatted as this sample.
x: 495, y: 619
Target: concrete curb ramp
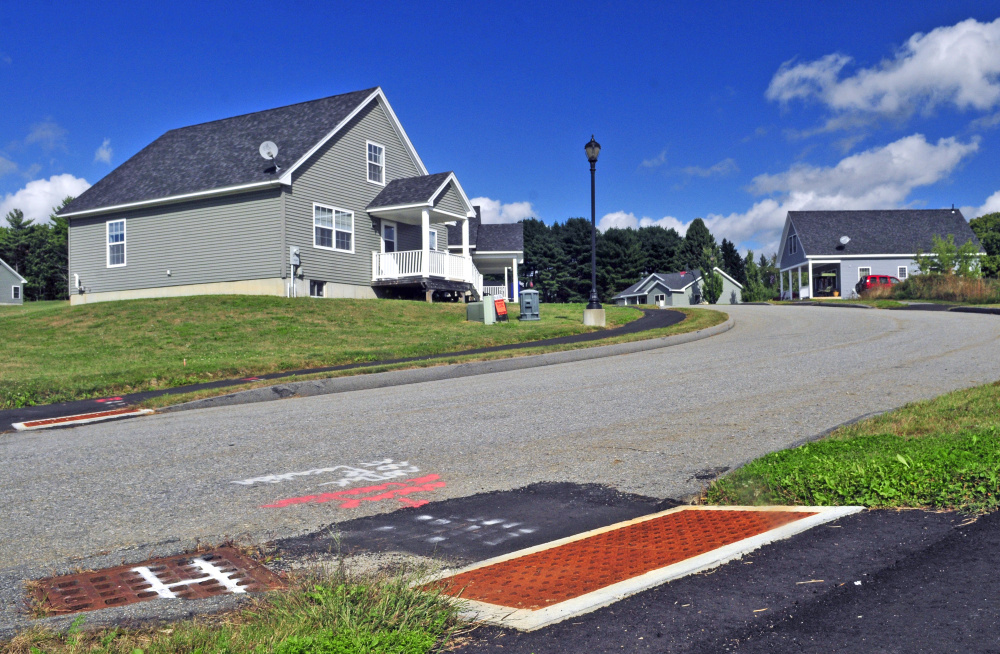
x: 435, y: 373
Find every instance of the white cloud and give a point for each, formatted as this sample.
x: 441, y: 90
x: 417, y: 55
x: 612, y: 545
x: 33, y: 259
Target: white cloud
x: 494, y: 211
x: 7, y: 167
x: 38, y: 197
x: 992, y: 205
x: 656, y: 161
x: 104, y: 152
x: 624, y: 220
x: 724, y: 167
x: 957, y: 65
x: 48, y: 134
x: 879, y: 178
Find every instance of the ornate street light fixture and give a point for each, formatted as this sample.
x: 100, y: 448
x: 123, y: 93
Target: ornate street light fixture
x: 593, y: 149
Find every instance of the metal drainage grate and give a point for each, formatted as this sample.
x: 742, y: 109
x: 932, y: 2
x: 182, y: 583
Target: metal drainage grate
x: 186, y: 576
x: 547, y: 577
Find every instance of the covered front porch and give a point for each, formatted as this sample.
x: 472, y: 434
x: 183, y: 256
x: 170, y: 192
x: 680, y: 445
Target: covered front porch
x: 424, y: 201
x: 822, y: 279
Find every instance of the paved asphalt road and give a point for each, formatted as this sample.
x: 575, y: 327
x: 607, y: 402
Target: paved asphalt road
x: 647, y: 423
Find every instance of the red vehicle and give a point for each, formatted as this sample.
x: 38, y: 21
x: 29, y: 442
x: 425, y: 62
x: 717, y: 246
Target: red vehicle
x: 871, y: 281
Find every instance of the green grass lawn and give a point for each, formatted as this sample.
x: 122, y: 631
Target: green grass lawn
x: 334, y: 614
x: 942, y: 453
x: 54, y: 352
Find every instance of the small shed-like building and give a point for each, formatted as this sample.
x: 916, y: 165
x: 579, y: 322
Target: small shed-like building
x: 11, y: 285
x: 677, y: 289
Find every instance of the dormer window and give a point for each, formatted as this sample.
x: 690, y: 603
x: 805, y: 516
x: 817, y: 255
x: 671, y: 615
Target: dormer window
x: 376, y: 163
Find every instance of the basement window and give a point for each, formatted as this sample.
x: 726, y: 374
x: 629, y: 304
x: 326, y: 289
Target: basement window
x: 317, y: 288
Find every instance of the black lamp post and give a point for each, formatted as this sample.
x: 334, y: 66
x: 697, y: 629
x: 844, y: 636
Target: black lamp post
x: 593, y: 149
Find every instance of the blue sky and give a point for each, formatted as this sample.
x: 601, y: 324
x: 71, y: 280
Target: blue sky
x: 731, y: 111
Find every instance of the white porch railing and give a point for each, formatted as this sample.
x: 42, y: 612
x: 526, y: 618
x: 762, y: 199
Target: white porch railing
x: 496, y: 291
x: 397, y: 265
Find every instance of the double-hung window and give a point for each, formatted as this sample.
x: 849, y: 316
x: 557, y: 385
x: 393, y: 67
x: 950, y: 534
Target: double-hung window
x: 793, y: 244
x: 376, y: 163
x: 901, y: 272
x: 432, y: 240
x: 333, y: 228
x: 863, y: 272
x: 15, y: 292
x: 116, y: 243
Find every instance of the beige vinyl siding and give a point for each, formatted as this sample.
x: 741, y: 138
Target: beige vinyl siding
x: 450, y: 201
x: 222, y: 239
x: 337, y: 176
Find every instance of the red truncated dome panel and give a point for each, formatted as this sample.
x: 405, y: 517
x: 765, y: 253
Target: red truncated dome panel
x: 560, y: 573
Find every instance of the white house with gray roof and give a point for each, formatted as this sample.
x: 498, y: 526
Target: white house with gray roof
x: 677, y: 289
x: 11, y: 285
x: 835, y: 249
x: 346, y: 209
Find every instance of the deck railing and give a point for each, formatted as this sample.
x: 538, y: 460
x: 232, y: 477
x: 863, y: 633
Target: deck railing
x: 408, y: 263
x: 496, y: 291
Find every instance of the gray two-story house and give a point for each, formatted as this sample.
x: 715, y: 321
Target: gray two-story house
x: 345, y: 208
x: 836, y: 249
x: 11, y: 285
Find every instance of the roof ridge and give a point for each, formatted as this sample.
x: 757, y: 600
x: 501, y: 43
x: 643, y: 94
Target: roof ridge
x: 263, y: 111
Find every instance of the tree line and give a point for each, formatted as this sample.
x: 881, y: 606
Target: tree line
x: 557, y: 259
x: 39, y: 253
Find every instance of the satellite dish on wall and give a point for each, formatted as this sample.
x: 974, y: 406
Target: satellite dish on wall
x: 844, y: 240
x: 268, y: 150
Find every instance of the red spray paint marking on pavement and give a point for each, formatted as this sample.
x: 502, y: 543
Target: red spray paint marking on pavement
x: 109, y: 399
x: 349, y: 498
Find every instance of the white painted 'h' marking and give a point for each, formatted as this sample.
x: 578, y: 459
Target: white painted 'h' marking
x: 211, y: 572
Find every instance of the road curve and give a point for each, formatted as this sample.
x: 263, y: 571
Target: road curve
x: 645, y: 423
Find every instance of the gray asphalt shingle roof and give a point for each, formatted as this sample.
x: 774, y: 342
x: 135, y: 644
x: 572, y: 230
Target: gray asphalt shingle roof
x: 409, y: 190
x: 220, y: 153
x: 673, y: 281
x: 489, y: 237
x: 895, y: 231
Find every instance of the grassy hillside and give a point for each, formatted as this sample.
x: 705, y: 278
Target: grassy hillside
x: 54, y: 352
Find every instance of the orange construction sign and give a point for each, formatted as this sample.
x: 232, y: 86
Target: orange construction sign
x: 501, y: 307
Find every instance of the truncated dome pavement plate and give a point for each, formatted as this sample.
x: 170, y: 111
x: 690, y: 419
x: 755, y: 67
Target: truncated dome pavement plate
x: 541, y: 585
x: 186, y: 576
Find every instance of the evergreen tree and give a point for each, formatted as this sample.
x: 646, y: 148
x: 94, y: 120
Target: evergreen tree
x: 732, y: 262
x: 621, y: 261
x: 695, y: 241
x: 662, y: 248
x: 575, y: 241
x: 987, y: 230
x: 754, y: 289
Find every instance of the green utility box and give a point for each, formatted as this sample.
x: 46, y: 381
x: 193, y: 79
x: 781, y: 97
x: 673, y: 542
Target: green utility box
x: 529, y: 305
x: 484, y: 312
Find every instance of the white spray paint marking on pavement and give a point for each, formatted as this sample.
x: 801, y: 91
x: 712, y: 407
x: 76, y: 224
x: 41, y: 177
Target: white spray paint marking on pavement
x: 210, y: 570
x: 432, y: 529
x: 383, y: 470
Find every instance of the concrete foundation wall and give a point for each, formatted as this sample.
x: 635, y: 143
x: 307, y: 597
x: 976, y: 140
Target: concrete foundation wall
x: 274, y: 286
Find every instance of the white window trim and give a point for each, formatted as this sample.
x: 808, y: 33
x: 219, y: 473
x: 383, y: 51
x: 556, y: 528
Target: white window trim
x: 793, y: 244
x: 15, y: 292
x: 860, y: 268
x: 432, y: 234
x: 902, y: 272
x: 395, y: 231
x: 335, y: 210
x: 322, y: 287
x: 107, y: 243
x: 660, y: 297
x: 378, y: 145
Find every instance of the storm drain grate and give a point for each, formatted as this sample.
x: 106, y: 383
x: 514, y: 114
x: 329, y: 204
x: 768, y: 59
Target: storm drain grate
x: 186, y: 576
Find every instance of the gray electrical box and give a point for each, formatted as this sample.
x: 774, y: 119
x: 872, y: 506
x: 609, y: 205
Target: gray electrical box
x: 529, y: 305
x: 293, y: 256
x: 483, y: 312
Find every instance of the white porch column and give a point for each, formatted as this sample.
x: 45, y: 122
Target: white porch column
x: 791, y: 287
x: 514, y: 285
x: 810, y: 273
x: 465, y: 237
x: 505, y: 283
x: 781, y: 285
x: 425, y: 243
